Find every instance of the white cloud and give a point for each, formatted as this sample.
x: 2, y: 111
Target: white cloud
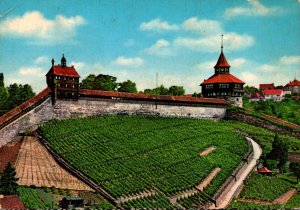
x: 202, y: 26
x: 267, y: 68
x: 160, y: 48
x: 77, y: 65
x: 158, y: 26
x: 238, y: 62
x: 29, y: 71
x: 41, y: 60
x: 123, y: 61
x: 290, y: 59
x: 33, y: 25
x: 255, y: 9
x: 249, y: 77
x: 232, y: 41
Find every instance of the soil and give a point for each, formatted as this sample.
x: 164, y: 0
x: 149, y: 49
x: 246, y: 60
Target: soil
x: 9, y: 152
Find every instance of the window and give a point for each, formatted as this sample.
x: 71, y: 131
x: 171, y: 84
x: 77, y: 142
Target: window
x: 209, y: 86
x: 65, y: 78
x: 223, y: 85
x: 237, y: 86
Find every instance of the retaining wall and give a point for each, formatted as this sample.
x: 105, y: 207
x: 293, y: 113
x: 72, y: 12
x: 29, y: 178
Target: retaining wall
x: 87, y: 106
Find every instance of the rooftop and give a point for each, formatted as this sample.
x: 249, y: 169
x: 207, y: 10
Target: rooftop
x: 222, y: 78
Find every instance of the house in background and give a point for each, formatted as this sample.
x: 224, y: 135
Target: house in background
x: 275, y: 94
x: 292, y: 87
x: 263, y: 87
x: 256, y: 97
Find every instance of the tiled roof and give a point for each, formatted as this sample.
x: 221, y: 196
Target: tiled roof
x: 24, y: 106
x: 293, y: 83
x: 256, y: 95
x: 68, y: 71
x: 266, y: 86
x: 139, y: 96
x: 273, y: 92
x: 222, y: 78
x: 264, y: 170
x: 222, y: 62
x: 11, y: 202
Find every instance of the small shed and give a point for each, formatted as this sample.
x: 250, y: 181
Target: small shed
x: 264, y: 170
x: 71, y: 202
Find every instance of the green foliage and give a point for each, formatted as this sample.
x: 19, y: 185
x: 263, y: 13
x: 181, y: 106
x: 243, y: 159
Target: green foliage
x: 176, y: 90
x: 99, y: 82
x: 279, y: 151
x: 246, y: 206
x: 130, y: 154
x: 127, y: 86
x: 35, y: 198
x: 288, y: 109
x: 13, y: 95
x: 8, y: 181
x: 162, y: 90
x: 265, y: 187
x: 158, y: 201
x: 265, y: 137
x: 271, y: 164
x: 295, y: 167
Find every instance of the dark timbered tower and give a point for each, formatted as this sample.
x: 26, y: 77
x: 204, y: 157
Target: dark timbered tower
x: 222, y: 84
x: 63, y: 81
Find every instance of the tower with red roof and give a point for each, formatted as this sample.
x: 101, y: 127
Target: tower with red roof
x: 63, y: 80
x: 223, y: 84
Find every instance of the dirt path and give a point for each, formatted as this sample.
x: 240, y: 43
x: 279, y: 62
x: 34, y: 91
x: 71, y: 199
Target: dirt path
x: 137, y: 196
x: 278, y: 201
x: 285, y: 197
x: 207, y: 151
x: 208, y: 179
x: 257, y: 151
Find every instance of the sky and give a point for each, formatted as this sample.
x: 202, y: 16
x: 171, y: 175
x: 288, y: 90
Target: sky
x: 135, y: 39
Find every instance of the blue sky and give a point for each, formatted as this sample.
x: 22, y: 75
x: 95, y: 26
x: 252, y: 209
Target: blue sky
x: 134, y: 39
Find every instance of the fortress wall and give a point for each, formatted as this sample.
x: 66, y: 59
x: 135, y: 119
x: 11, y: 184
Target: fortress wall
x: 31, y: 119
x: 99, y: 106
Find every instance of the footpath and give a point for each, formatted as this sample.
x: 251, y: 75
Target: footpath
x: 257, y: 151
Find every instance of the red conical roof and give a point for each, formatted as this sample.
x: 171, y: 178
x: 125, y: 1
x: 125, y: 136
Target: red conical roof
x: 222, y: 62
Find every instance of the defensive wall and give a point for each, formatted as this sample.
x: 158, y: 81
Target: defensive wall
x: 40, y: 109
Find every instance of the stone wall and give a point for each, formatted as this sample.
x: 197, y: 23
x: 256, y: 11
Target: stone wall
x: 100, y: 106
x: 256, y: 121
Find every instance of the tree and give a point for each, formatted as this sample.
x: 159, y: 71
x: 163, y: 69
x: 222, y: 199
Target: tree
x: 295, y: 167
x: 279, y: 152
x: 3, y: 92
x: 18, y: 94
x: 8, y: 181
x: 127, y: 86
x: 100, y: 82
x: 176, y: 90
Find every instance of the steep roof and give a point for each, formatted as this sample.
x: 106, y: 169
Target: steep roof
x: 264, y: 170
x: 68, y: 71
x: 222, y: 62
x: 293, y: 83
x: 148, y: 97
x: 222, y: 78
x: 266, y: 86
x: 256, y: 95
x: 273, y: 92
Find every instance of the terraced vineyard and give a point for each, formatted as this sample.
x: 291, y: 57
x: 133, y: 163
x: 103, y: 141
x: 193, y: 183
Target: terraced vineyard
x: 131, y: 156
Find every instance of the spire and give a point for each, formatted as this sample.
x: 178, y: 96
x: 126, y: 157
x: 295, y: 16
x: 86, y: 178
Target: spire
x: 222, y: 44
x: 52, y: 61
x: 63, y: 61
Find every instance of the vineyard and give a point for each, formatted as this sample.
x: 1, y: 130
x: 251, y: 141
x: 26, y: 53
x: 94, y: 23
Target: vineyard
x: 131, y: 154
